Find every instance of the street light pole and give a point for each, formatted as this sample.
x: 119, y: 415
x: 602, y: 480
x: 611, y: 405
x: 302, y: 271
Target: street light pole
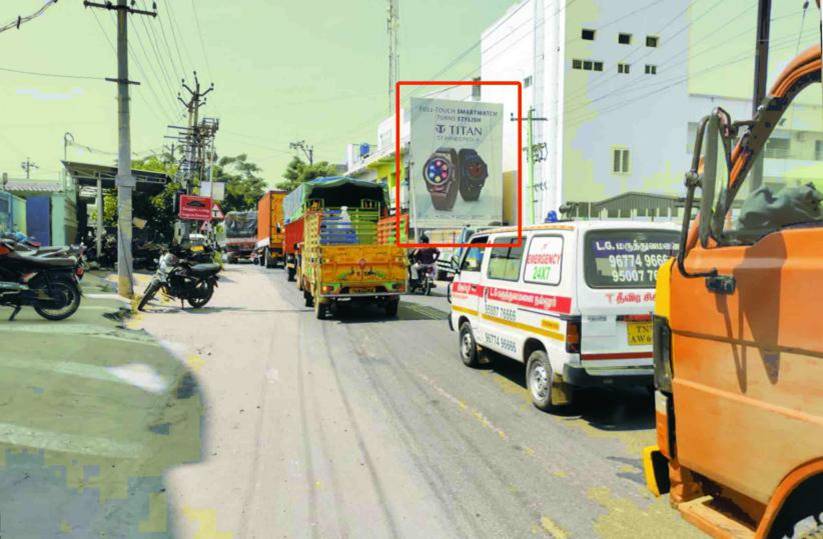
x: 66, y: 137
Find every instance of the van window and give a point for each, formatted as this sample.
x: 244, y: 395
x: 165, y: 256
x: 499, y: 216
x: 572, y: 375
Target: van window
x: 473, y: 258
x: 626, y: 258
x: 544, y: 260
x: 504, y: 262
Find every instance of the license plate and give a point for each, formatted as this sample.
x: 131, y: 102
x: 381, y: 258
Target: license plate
x: 363, y: 290
x: 639, y: 333
x: 197, y: 248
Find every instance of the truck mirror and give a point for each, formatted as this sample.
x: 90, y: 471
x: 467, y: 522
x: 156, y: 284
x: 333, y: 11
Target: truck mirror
x: 708, y: 181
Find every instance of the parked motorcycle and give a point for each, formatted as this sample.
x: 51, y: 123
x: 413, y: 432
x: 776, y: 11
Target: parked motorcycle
x: 180, y: 278
x: 46, y: 283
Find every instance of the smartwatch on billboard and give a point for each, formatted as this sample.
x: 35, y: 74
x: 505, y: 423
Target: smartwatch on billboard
x: 440, y: 173
x: 473, y: 174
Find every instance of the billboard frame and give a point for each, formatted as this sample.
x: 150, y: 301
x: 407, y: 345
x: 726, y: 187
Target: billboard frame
x: 398, y: 165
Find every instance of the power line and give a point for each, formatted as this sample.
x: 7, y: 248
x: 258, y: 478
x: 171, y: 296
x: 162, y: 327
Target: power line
x: 182, y: 65
x: 162, y: 78
x: 157, y: 46
x: 56, y: 75
x: 170, y: 85
x: 23, y: 19
x: 200, y: 35
x: 174, y: 25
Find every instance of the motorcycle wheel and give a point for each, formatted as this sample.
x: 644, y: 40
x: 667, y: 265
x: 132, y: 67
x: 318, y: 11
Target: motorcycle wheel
x: 149, y: 294
x: 201, y: 295
x: 69, y: 302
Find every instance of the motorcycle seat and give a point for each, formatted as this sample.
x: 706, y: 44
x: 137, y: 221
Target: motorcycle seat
x: 205, y: 269
x: 49, y: 262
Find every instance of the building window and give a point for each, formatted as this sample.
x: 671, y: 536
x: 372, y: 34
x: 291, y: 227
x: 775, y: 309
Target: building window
x: 623, y: 68
x: 777, y: 148
x: 527, y: 81
x: 652, y: 41
x: 587, y: 65
x: 624, y: 39
x: 587, y: 34
x: 620, y: 161
x: 476, y: 89
x: 651, y: 70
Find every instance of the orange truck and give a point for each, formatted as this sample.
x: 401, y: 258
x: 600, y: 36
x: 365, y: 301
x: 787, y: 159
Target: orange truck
x: 737, y: 328
x: 270, y: 229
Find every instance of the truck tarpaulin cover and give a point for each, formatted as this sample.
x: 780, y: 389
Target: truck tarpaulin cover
x: 334, y: 191
x: 241, y: 224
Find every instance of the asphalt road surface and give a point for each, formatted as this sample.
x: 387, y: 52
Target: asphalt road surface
x: 364, y: 426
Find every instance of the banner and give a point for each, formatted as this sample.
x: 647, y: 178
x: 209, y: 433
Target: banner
x: 455, y: 176
x: 195, y: 208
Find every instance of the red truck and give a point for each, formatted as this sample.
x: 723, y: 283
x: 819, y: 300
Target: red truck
x: 270, y: 229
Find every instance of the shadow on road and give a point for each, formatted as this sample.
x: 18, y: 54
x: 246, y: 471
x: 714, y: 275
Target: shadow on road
x: 626, y: 409
x: 367, y: 314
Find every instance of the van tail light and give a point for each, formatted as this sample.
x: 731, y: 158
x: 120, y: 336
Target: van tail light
x: 573, y: 336
x: 4, y: 250
x: 326, y: 289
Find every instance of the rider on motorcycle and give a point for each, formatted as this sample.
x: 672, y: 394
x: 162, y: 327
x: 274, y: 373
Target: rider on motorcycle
x: 422, y: 258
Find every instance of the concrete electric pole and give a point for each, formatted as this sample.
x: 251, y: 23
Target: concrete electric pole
x: 125, y: 181
x: 393, y: 29
x: 531, y: 151
x: 307, y: 150
x: 27, y: 165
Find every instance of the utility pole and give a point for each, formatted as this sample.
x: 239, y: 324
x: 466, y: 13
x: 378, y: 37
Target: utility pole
x: 761, y: 73
x: 531, y: 150
x: 192, y: 153
x: 27, y: 165
x: 125, y: 182
x: 393, y: 29
x: 307, y: 150
x: 66, y: 137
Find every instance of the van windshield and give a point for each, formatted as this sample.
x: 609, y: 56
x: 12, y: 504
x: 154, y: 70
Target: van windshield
x: 627, y: 258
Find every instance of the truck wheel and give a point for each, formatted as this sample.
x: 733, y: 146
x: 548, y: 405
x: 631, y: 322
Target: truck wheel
x: 539, y: 380
x: 267, y: 260
x: 290, y: 274
x: 308, y: 299
x: 468, y: 346
x: 320, y: 310
x: 391, y: 307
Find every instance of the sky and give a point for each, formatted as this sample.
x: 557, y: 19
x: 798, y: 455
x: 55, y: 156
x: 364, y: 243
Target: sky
x: 314, y: 70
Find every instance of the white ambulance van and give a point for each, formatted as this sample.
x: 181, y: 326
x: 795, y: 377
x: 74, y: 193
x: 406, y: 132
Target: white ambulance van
x: 572, y: 301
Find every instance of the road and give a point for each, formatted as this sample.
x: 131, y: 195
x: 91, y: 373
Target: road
x: 362, y: 426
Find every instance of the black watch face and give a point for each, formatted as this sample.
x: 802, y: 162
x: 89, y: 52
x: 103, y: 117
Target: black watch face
x: 475, y: 169
x: 437, y: 170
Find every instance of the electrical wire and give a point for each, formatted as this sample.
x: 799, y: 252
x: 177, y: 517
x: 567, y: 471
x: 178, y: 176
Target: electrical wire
x: 56, y: 75
x: 175, y: 31
x: 200, y: 35
x: 180, y: 69
x: 21, y: 19
x: 162, y: 78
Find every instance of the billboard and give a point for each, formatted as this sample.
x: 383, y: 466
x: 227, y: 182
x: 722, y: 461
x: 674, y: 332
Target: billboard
x: 455, y: 175
x: 195, y: 208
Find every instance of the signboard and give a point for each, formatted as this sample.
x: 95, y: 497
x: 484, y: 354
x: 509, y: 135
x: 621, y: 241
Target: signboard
x: 195, y: 208
x: 455, y: 176
x: 217, y: 212
x: 544, y: 260
x: 214, y: 190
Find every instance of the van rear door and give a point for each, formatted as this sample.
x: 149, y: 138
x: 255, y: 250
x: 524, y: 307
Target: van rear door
x: 616, y: 296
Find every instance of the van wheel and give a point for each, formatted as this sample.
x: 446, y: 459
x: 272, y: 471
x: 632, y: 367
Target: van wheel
x: 468, y: 346
x: 391, y: 307
x: 320, y: 310
x: 307, y: 298
x: 539, y: 380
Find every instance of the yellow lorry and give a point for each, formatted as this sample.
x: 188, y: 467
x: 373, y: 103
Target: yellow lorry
x: 342, y: 259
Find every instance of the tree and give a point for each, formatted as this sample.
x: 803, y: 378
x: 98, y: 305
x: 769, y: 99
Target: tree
x: 243, y: 185
x: 298, y: 171
x: 243, y: 189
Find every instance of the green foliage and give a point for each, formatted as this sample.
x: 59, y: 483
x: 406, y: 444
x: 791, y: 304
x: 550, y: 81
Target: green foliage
x: 298, y: 171
x: 244, y: 186
x: 243, y: 189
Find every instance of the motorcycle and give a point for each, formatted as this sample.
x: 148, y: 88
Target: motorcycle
x: 24, y: 245
x: 46, y: 283
x: 179, y: 278
x: 425, y: 279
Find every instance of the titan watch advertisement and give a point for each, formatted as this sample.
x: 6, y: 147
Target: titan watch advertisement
x: 440, y: 173
x: 473, y: 174
x: 455, y: 148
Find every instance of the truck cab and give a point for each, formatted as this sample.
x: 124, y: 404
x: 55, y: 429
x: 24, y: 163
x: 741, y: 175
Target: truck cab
x: 737, y: 347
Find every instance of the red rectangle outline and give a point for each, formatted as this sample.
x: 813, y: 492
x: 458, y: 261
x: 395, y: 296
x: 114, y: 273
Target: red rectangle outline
x: 398, y: 165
